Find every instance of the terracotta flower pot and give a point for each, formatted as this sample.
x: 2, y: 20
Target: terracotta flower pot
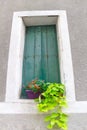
x: 32, y: 95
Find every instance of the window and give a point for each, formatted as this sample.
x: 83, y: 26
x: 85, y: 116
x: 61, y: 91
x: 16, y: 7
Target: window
x: 40, y: 54
x: 18, y: 35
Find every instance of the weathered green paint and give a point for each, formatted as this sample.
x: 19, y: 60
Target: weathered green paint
x: 41, y: 54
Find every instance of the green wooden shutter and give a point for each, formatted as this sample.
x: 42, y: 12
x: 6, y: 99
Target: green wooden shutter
x: 41, y: 54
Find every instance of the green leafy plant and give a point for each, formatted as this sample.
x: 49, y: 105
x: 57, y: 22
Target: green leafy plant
x: 53, y: 100
x: 34, y: 88
x: 36, y: 85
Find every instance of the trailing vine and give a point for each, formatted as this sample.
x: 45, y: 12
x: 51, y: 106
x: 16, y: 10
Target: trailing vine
x: 53, y: 100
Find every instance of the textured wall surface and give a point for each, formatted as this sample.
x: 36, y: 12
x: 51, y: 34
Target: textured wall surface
x: 77, y: 19
x: 30, y: 122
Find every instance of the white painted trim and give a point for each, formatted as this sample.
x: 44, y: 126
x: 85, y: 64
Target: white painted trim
x: 66, y: 68
x: 26, y: 108
x: 14, y: 73
x: 40, y: 13
x: 76, y: 107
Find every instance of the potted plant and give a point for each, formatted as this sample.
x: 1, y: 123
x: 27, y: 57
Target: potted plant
x: 35, y: 88
x: 54, y: 100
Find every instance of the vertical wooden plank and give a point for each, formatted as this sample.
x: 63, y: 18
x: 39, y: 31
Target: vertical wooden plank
x: 28, y: 70
x: 44, y: 57
x: 29, y: 42
x: 52, y: 50
x: 37, y: 66
x: 53, y: 69
x: 57, y: 57
x: 52, y: 55
x: 28, y: 62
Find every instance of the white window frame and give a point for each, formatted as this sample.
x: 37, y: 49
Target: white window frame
x: 15, y: 61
